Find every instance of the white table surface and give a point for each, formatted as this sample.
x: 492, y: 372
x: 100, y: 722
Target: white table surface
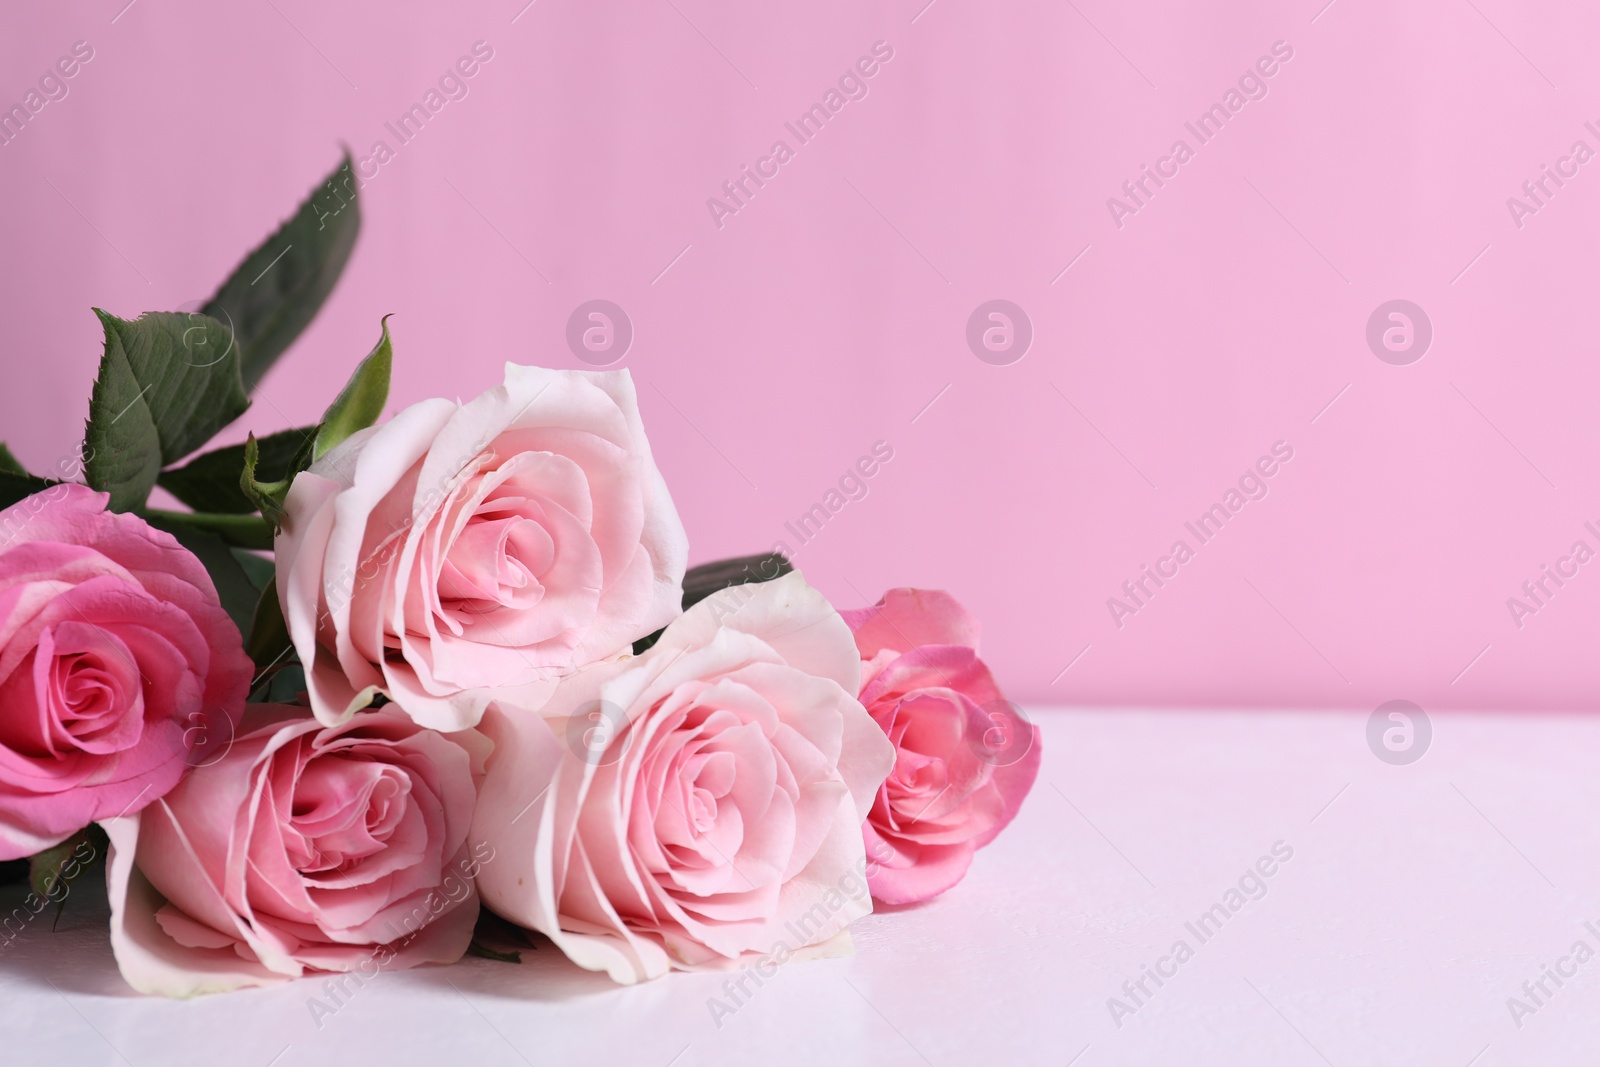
x: 1418, y: 899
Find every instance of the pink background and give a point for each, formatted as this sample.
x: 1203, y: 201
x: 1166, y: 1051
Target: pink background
x: 826, y: 315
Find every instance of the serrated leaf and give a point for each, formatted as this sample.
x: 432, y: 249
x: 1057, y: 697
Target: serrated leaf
x: 210, y: 482
x: 360, y: 403
x: 274, y: 294
x: 168, y: 381
x: 120, y: 436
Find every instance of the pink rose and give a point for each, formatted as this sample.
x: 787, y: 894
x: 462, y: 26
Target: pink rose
x: 461, y: 553
x: 696, y: 804
x: 116, y: 662
x: 964, y: 757
x: 305, y: 848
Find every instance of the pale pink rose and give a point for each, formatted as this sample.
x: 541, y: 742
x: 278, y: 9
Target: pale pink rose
x: 694, y: 805
x: 461, y: 553
x: 117, y: 666
x: 964, y: 756
x: 306, y: 848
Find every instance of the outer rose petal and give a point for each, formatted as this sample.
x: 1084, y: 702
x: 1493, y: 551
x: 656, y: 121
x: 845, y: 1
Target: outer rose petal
x: 913, y: 873
x: 904, y: 619
x: 150, y: 960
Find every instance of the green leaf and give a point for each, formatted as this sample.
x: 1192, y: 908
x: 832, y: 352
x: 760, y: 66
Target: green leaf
x: 15, y: 487
x: 482, y: 951
x: 258, y: 567
x: 268, y: 644
x: 9, y: 464
x: 210, y: 482
x: 700, y: 582
x: 45, y: 867
x: 233, y: 585
x: 282, y: 686
x: 360, y: 403
x: 274, y: 294
x: 168, y: 381
x: 65, y: 862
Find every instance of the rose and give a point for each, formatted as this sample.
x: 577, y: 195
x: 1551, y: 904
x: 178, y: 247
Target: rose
x: 305, y: 848
x: 463, y: 552
x: 964, y: 757
x: 116, y: 663
x: 707, y: 805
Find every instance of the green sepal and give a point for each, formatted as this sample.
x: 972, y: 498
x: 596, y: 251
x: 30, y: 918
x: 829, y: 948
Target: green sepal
x: 360, y: 403
x: 211, y: 481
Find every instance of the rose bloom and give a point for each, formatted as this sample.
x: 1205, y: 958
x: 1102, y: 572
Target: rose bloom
x: 116, y: 663
x: 964, y: 757
x: 305, y: 848
x: 463, y: 552
x: 694, y: 805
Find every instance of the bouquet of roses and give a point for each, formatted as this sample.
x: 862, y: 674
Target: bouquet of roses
x: 375, y: 676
